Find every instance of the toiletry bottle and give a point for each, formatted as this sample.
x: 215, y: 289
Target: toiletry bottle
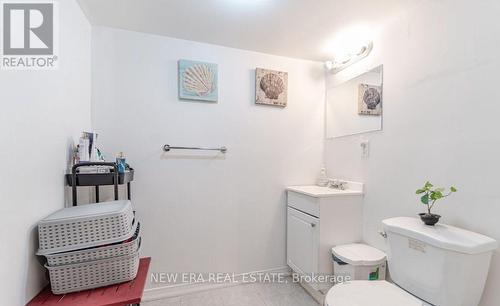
x: 93, y: 148
x: 120, y: 163
x: 76, y: 155
x: 322, y: 178
x: 83, y: 149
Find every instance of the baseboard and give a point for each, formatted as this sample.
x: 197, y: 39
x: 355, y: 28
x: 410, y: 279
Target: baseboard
x: 318, y: 296
x: 158, y: 293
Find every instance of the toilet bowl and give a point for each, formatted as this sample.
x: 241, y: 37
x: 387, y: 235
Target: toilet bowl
x: 423, y: 263
x: 370, y: 293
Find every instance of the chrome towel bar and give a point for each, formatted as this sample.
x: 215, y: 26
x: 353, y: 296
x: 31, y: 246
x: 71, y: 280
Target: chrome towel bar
x: 167, y: 148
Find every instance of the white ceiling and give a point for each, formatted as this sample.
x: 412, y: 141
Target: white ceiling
x: 294, y: 28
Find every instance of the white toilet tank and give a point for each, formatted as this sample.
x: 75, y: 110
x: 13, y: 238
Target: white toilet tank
x: 442, y: 265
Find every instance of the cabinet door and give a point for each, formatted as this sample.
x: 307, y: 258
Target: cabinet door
x: 302, y: 242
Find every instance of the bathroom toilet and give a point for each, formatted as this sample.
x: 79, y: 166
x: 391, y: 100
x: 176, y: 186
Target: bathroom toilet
x: 437, y: 265
x: 373, y: 293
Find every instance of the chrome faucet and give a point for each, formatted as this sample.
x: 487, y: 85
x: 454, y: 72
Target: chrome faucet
x: 337, y: 184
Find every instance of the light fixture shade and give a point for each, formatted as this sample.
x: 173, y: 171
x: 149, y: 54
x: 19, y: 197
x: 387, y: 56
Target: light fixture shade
x: 340, y: 62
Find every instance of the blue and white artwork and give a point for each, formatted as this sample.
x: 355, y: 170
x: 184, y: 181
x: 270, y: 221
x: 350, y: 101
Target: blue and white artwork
x: 198, y: 81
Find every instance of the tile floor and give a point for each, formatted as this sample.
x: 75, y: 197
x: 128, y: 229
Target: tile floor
x: 257, y: 294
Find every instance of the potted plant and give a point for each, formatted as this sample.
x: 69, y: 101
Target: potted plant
x: 429, y: 196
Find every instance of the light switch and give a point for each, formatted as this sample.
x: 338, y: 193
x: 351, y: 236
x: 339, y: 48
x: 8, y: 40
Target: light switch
x: 365, y: 148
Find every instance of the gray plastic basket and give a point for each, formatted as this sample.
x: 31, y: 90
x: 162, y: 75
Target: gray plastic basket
x: 93, y: 274
x: 85, y: 226
x: 102, y: 252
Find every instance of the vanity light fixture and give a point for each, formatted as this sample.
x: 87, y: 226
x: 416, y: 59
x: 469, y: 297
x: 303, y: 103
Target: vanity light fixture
x: 342, y: 61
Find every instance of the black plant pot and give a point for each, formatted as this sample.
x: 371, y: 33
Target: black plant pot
x: 429, y: 219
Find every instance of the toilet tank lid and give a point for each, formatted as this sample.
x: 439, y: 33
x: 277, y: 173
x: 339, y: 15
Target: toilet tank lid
x: 441, y: 235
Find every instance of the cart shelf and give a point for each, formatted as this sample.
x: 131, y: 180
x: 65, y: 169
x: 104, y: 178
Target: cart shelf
x: 100, y: 179
x: 76, y: 179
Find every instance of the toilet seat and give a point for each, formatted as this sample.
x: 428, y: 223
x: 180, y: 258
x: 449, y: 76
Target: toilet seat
x: 370, y: 293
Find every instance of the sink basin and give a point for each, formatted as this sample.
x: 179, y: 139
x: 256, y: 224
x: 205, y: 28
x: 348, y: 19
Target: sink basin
x: 323, y: 192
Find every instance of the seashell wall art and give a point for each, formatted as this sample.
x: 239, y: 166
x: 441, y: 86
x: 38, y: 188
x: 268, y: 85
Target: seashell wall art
x: 369, y: 100
x: 198, y: 81
x: 271, y: 87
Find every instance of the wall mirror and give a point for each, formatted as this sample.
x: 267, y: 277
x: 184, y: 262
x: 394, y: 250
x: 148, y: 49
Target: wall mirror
x: 355, y: 106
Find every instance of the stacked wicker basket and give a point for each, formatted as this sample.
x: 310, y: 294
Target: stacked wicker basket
x: 90, y: 246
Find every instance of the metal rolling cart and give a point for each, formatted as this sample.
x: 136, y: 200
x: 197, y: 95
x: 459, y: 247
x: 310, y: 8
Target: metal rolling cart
x: 76, y: 179
x: 122, y: 294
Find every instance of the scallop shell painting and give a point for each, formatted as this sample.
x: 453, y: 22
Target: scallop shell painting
x: 198, y: 81
x: 271, y: 87
x: 369, y: 100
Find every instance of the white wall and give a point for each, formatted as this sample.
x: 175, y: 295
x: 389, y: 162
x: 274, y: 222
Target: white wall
x: 42, y: 112
x: 441, y: 108
x: 202, y: 213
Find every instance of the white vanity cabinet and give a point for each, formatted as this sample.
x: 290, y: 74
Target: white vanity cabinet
x: 302, y: 241
x: 319, y: 218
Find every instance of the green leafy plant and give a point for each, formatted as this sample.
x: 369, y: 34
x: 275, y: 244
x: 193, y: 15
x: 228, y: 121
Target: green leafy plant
x: 431, y: 194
